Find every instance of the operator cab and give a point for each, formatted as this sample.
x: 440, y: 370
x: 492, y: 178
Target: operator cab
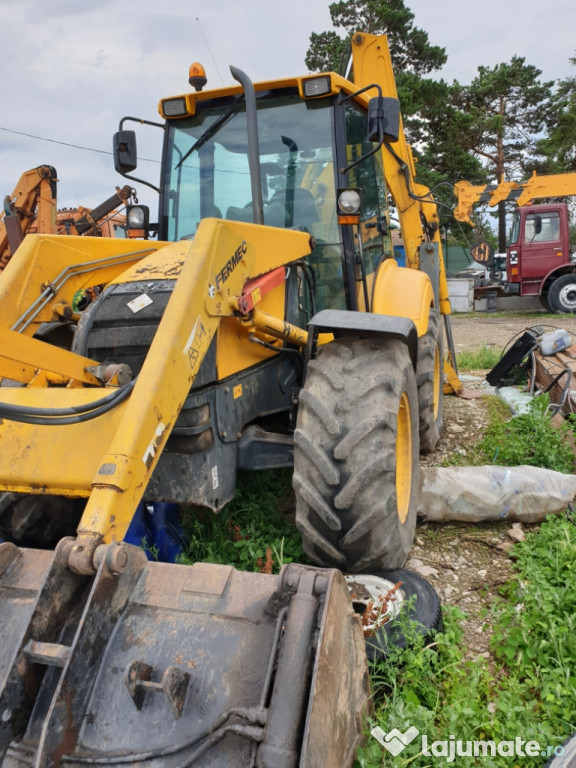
x: 308, y: 149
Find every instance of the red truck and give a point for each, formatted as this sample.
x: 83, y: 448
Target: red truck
x: 538, y: 256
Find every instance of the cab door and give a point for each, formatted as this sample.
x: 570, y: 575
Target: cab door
x: 542, y: 244
x: 370, y: 242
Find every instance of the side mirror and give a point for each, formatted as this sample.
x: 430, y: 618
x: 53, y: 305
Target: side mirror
x: 538, y: 225
x: 383, y: 121
x: 125, y: 154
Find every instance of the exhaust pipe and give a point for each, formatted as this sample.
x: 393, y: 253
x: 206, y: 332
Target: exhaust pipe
x: 253, y: 143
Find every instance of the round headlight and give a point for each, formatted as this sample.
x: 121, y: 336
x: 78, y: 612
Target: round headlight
x: 349, y: 201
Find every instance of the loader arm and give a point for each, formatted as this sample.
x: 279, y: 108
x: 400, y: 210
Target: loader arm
x: 114, y: 468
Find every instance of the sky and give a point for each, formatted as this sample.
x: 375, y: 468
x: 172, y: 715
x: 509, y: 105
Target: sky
x: 72, y: 70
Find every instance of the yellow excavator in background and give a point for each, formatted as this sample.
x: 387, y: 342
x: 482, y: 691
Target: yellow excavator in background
x: 268, y: 326
x: 520, y: 192
x: 32, y: 207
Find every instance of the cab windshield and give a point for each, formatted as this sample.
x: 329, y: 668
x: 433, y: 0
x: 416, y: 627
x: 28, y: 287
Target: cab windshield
x: 207, y: 175
x: 207, y: 171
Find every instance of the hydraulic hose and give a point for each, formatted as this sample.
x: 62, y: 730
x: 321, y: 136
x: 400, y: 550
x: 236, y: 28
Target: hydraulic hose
x: 70, y: 415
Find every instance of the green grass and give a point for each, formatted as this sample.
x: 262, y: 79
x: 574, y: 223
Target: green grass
x: 527, y: 691
x: 529, y: 438
x: 480, y: 359
x: 535, y: 315
x: 254, y: 532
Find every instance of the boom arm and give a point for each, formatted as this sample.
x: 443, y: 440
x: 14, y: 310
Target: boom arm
x: 416, y: 207
x: 523, y: 192
x: 32, y: 206
x: 87, y: 222
x: 33, y: 198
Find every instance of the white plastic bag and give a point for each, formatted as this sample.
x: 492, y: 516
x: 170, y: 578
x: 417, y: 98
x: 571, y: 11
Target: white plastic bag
x: 471, y: 494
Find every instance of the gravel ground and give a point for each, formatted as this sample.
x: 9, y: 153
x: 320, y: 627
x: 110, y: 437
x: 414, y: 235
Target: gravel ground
x: 465, y: 562
x: 478, y: 329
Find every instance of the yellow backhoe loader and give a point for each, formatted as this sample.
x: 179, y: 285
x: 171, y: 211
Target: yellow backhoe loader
x: 269, y: 325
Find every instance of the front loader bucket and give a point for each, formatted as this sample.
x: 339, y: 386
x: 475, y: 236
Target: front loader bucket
x: 160, y: 665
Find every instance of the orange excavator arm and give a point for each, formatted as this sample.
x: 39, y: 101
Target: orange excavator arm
x: 33, y: 200
x: 32, y: 207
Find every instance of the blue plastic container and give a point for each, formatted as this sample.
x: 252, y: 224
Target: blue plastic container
x: 156, y: 527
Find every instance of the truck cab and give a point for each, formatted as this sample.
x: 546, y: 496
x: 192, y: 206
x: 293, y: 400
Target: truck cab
x: 539, y: 244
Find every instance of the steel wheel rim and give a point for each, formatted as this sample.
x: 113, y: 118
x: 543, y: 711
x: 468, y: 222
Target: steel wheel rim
x: 568, y: 296
x: 376, y: 588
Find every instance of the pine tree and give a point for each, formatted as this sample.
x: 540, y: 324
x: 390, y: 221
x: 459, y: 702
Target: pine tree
x: 556, y: 153
x: 507, y: 106
x: 409, y: 46
x: 430, y: 119
x: 412, y: 54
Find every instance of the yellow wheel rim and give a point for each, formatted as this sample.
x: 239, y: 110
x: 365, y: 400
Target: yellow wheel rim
x: 438, y: 384
x: 404, y: 458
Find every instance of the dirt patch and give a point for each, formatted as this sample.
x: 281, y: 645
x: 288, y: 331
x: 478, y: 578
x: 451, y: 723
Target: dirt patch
x: 479, y: 329
x: 467, y: 563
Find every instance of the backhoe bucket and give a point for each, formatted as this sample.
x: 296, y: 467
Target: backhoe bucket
x: 161, y: 665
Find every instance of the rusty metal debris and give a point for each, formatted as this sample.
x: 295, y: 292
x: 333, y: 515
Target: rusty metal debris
x: 375, y: 606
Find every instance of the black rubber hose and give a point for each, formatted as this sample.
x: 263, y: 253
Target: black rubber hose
x: 69, y: 415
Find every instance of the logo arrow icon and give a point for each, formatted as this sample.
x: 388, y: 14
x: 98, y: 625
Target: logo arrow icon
x: 395, y: 741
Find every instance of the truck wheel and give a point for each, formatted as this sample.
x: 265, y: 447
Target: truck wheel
x: 356, y: 455
x: 38, y: 521
x: 562, y: 294
x: 545, y: 302
x: 430, y: 381
x: 392, y: 605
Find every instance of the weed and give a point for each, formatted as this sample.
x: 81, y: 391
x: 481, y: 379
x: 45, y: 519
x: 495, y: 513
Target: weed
x: 480, y: 359
x: 254, y: 532
x: 536, y: 627
x: 151, y: 549
x: 529, y: 438
x: 529, y: 689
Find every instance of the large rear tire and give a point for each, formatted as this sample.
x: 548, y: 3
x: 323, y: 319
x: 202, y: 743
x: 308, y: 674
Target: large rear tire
x: 356, y: 455
x: 430, y: 380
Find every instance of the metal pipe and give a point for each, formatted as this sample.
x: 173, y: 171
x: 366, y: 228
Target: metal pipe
x: 253, y: 143
x: 281, y: 744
